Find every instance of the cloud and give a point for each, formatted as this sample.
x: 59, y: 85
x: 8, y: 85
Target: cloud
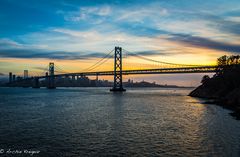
x: 100, y: 38
x: 101, y: 10
x: 113, y: 14
x: 228, y: 26
x: 86, y: 13
x: 46, y: 54
x: 150, y: 53
x: 187, y: 39
x: 202, y: 42
x: 140, y: 14
x: 12, y: 49
x: 24, y: 51
x: 7, y: 42
x: 142, y: 30
x: 62, y: 55
x: 81, y: 34
x: 220, y: 23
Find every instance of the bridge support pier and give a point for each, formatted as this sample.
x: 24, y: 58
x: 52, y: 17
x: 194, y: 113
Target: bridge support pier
x: 51, y: 81
x: 36, y: 83
x: 117, y: 84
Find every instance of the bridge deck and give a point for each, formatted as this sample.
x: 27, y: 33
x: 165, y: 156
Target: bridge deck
x: 198, y: 69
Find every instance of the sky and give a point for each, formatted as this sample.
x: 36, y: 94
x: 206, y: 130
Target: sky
x: 74, y: 34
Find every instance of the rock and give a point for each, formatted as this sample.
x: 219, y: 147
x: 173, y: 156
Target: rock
x: 232, y: 99
x: 223, y: 89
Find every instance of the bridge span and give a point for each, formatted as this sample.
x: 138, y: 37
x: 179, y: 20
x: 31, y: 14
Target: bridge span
x: 118, y: 72
x: 197, y: 69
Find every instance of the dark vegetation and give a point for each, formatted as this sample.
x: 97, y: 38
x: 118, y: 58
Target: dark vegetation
x: 224, y: 86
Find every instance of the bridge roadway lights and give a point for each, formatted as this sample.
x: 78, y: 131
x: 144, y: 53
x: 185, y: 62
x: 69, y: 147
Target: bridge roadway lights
x: 117, y: 85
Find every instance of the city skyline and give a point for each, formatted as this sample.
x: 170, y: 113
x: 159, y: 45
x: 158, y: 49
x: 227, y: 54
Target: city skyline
x: 77, y: 34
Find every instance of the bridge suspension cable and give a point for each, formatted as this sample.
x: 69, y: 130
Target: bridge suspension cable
x: 35, y: 74
x: 59, y: 69
x: 156, y: 61
x: 44, y: 70
x: 100, y: 62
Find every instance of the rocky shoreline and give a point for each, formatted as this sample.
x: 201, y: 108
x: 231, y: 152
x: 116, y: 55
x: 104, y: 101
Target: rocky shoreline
x: 230, y: 100
x: 224, y: 87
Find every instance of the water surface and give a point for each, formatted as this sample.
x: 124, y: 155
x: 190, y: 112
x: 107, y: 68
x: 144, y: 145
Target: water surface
x: 96, y: 122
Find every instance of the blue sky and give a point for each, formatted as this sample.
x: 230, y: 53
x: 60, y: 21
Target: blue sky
x: 180, y: 31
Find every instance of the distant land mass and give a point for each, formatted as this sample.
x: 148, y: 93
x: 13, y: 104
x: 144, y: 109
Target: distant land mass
x: 130, y: 83
x: 224, y: 87
x: 84, y: 81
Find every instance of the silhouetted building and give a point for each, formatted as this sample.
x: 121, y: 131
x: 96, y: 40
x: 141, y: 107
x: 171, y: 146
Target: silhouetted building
x: 10, y: 77
x: 25, y: 74
x: 19, y: 78
x: 14, y: 78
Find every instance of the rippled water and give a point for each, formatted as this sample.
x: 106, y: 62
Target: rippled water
x: 95, y: 122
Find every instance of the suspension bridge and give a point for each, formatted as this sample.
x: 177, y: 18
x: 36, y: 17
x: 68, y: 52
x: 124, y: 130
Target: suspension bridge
x: 157, y: 67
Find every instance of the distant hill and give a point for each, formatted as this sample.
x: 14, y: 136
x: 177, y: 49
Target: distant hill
x: 130, y: 83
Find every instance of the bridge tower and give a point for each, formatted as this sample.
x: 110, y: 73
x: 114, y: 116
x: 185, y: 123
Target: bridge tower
x: 46, y: 79
x: 51, y: 82
x: 117, y: 86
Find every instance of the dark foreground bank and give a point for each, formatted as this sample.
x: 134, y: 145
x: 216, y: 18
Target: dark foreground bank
x: 224, y: 87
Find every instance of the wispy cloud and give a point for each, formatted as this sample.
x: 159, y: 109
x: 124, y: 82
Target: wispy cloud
x: 87, y: 13
x: 201, y: 42
x: 232, y: 27
x: 151, y: 53
x: 10, y: 50
x: 141, y: 14
x: 221, y: 23
x: 45, y: 54
x: 4, y: 43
